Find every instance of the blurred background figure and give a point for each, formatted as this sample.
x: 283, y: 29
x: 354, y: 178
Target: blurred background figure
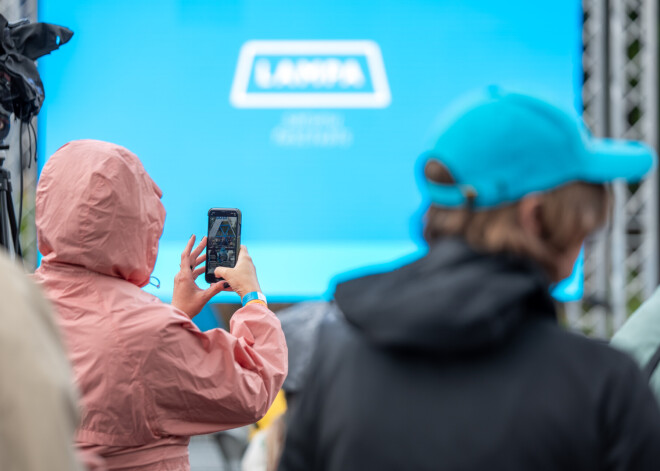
x: 300, y: 324
x: 457, y: 360
x: 39, y: 410
x: 640, y: 337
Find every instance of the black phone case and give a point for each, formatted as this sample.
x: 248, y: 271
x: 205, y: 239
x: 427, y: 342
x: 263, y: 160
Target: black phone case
x: 211, y: 278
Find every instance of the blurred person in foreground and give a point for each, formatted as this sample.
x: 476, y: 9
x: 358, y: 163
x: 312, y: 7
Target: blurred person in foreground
x: 38, y: 409
x: 456, y: 361
x: 149, y: 377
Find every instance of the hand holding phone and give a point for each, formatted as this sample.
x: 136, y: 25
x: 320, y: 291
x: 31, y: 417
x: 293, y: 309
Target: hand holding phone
x: 223, y: 240
x: 242, y: 278
x: 187, y: 296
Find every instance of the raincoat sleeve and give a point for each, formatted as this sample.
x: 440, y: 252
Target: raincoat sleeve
x: 202, y: 382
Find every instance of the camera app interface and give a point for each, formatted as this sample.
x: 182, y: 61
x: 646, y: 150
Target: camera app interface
x: 221, y: 244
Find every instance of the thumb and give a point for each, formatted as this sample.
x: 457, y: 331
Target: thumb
x: 219, y: 272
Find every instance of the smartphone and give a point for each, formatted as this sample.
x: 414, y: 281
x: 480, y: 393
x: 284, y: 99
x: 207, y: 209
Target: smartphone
x: 223, y: 241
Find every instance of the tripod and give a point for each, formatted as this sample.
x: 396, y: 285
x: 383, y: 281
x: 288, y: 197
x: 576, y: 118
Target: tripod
x: 8, y: 222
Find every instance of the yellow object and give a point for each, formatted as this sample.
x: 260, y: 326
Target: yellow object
x: 256, y: 301
x: 277, y: 408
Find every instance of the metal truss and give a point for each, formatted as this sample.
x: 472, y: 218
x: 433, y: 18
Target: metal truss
x: 620, y: 100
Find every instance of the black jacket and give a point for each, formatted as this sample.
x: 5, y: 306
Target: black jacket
x: 456, y: 362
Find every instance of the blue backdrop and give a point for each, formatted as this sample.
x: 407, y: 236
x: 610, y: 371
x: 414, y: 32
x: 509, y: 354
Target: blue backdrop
x: 307, y: 116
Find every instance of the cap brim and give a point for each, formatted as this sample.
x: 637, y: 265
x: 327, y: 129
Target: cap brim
x: 612, y: 159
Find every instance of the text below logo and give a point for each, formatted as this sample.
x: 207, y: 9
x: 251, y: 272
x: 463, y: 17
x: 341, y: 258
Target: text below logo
x: 310, y: 74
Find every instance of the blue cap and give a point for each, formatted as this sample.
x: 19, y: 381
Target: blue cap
x: 510, y: 145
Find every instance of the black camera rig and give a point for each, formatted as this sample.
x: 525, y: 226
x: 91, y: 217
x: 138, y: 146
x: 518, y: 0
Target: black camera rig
x: 21, y: 95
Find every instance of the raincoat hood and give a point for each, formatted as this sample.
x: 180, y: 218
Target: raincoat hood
x: 98, y: 208
x: 453, y: 300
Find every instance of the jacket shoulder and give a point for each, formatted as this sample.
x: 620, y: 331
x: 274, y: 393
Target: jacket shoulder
x: 593, y: 355
x: 640, y: 335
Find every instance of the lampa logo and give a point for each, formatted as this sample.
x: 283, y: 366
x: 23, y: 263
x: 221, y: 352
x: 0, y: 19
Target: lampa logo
x: 310, y: 74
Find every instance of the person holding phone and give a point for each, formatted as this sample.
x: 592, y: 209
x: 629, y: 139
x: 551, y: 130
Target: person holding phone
x: 149, y: 378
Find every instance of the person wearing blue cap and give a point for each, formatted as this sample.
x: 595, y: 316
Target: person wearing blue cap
x: 457, y: 361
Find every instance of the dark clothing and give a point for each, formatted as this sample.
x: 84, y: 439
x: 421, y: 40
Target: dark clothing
x: 456, y: 362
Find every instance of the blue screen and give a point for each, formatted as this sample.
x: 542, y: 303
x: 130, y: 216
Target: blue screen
x: 306, y: 116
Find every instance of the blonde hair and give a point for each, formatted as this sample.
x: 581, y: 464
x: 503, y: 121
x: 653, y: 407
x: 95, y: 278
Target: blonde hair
x: 567, y: 215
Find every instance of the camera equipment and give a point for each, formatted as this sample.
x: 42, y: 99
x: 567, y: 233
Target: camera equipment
x: 7, y: 216
x: 21, y: 94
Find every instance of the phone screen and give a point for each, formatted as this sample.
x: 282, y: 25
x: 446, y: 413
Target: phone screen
x: 223, y: 240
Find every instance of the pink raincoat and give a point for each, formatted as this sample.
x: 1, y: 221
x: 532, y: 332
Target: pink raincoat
x: 149, y: 377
